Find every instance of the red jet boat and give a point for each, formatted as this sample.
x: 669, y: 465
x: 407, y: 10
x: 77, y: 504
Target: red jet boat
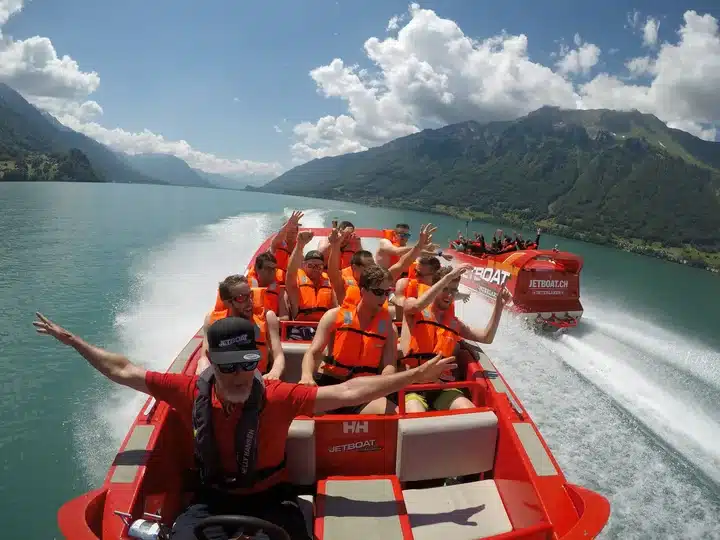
x: 364, y: 476
x: 544, y: 284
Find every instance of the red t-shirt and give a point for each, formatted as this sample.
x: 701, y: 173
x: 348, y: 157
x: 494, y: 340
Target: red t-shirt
x: 283, y: 402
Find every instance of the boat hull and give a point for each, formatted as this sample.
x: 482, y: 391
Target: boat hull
x: 518, y: 491
x: 544, y: 285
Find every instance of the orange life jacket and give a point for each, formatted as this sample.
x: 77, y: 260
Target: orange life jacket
x: 314, y: 302
x: 415, y: 289
x: 357, y: 352
x: 282, y: 256
x: 253, y: 279
x: 391, y: 235
x: 412, y: 271
x: 260, y: 336
x: 346, y: 255
x: 429, y: 337
x: 266, y: 297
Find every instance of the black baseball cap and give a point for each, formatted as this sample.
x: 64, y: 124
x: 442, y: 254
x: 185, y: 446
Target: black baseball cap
x: 313, y: 255
x: 231, y: 341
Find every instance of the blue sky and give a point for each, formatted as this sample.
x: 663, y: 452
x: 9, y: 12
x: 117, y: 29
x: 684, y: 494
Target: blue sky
x: 222, y: 75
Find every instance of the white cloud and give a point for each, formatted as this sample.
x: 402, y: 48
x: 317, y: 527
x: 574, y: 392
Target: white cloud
x: 148, y: 142
x: 277, y: 129
x: 579, y: 60
x: 430, y: 73
x: 683, y: 91
x: 650, y: 32
x: 58, y: 85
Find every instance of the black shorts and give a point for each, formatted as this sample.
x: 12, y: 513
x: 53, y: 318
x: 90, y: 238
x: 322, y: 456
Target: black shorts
x: 301, y: 333
x: 278, y: 505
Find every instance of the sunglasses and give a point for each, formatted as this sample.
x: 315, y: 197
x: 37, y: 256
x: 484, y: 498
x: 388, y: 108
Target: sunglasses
x: 237, y: 366
x: 315, y: 266
x: 380, y: 292
x: 404, y: 235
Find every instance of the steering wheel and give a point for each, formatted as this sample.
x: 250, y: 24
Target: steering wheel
x: 247, y: 523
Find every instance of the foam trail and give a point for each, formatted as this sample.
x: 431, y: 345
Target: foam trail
x: 654, y: 493
x: 173, y: 289
x: 696, y: 360
x: 695, y: 436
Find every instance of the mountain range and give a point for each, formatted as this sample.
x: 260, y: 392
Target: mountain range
x: 34, y: 145
x: 609, y: 177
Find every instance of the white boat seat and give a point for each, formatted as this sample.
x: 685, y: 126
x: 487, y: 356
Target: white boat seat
x: 438, y: 447
x: 300, y: 452
x: 361, y: 509
x: 458, y: 512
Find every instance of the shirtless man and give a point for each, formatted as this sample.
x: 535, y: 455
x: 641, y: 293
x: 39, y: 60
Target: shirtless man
x: 390, y: 251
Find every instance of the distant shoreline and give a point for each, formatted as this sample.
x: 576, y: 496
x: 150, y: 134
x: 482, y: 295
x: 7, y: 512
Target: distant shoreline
x: 702, y: 260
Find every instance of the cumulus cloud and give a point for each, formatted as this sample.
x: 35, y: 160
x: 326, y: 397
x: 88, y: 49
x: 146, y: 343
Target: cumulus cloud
x: 57, y: 84
x: 430, y: 73
x: 579, y: 60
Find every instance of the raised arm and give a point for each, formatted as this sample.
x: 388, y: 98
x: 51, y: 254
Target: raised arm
x: 360, y: 390
x: 272, y: 329
x: 414, y: 305
x: 116, y: 367
x: 282, y: 235
x: 333, y: 265
x: 425, y: 239
x: 313, y: 355
x: 291, y: 278
x: 487, y: 334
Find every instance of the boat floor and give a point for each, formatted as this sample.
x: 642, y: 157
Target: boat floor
x: 356, y: 509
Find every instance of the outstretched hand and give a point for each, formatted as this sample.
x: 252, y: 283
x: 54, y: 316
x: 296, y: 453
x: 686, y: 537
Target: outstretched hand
x: 425, y: 238
x: 431, y: 370
x: 45, y: 326
x: 504, y: 296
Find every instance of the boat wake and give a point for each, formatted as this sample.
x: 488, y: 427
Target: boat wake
x: 642, y: 435
x: 173, y: 289
x: 628, y: 409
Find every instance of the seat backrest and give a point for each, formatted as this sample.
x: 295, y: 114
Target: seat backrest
x: 294, y: 352
x: 435, y: 447
x: 300, y: 451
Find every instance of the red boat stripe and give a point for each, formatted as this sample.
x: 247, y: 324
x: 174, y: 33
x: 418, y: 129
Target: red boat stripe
x: 129, y: 460
x: 181, y: 359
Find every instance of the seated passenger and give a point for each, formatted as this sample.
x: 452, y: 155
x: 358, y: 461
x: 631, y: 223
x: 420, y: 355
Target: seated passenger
x: 349, y: 245
x: 237, y: 298
x: 308, y: 289
x: 345, y: 281
x: 394, y: 246
x: 430, y: 327
x: 283, y: 243
x: 227, y: 396
x: 362, y: 339
x: 410, y: 287
x: 268, y: 294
